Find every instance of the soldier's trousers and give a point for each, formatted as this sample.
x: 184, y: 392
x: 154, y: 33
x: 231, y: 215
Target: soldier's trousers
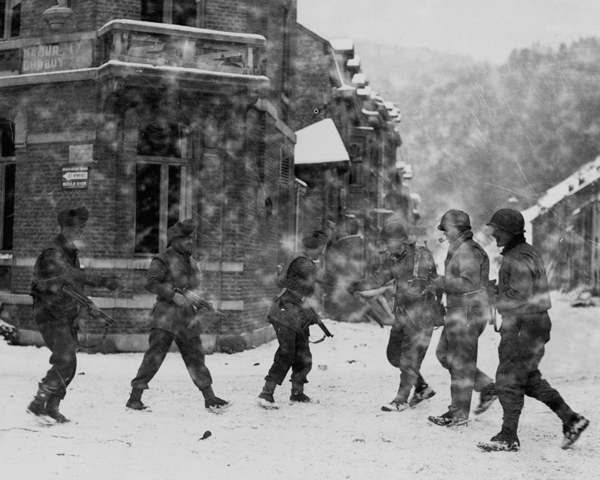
x: 406, y: 350
x: 191, y: 351
x: 522, y: 346
x: 457, y: 352
x: 293, y: 353
x: 60, y: 337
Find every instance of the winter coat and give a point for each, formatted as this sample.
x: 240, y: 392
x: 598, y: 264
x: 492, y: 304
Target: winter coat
x: 169, y: 270
x: 466, y: 277
x: 410, y: 289
x: 298, y: 279
x: 522, y: 282
x: 58, y: 265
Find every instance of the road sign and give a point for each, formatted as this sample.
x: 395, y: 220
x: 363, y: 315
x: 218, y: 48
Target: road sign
x: 75, y: 177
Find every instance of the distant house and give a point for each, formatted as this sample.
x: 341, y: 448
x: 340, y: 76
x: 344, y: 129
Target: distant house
x: 565, y: 226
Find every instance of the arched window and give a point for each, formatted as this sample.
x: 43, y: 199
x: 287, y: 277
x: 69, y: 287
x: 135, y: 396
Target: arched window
x: 163, y: 183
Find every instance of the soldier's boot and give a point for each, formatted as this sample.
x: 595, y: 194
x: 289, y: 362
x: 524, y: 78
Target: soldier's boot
x: 266, y: 399
x: 422, y: 392
x: 298, y: 394
x: 52, y: 410
x: 37, y: 407
x: 135, y: 400
x: 212, y: 403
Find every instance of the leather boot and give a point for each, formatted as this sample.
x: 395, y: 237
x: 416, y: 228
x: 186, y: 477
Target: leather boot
x: 135, y: 400
x: 266, y: 399
x: 37, y: 407
x: 52, y: 410
x: 298, y: 393
x: 213, y: 403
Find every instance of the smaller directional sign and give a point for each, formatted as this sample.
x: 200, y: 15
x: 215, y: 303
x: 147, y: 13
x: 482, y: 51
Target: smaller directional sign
x: 75, y: 177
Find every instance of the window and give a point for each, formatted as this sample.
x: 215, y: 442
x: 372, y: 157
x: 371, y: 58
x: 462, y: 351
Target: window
x: 356, y: 165
x: 161, y: 140
x: 177, y: 12
x: 7, y: 183
x: 10, y: 18
x: 163, y: 197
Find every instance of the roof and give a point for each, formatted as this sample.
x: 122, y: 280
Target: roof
x: 320, y: 143
x: 342, y: 44
x: 587, y: 174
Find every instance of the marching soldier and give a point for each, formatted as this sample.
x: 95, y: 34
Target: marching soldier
x: 170, y: 275
x: 291, y: 318
x: 465, y: 283
x: 523, y: 300
x: 412, y: 268
x: 55, y: 312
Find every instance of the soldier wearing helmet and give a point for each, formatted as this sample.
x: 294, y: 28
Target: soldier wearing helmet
x: 411, y: 267
x: 465, y: 284
x: 523, y: 300
x: 291, y: 317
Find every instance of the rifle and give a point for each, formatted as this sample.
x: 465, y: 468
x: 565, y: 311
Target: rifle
x: 86, y: 303
x: 196, y: 302
x: 316, y: 319
x: 91, y: 307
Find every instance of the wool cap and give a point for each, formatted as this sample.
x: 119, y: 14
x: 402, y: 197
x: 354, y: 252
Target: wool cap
x: 68, y: 216
x: 180, y: 230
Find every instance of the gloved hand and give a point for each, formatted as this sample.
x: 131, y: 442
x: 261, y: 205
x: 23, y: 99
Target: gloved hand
x: 179, y: 300
x: 93, y: 311
x: 352, y: 288
x: 111, y: 283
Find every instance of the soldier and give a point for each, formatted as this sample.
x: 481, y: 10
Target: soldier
x: 523, y: 300
x: 173, y: 319
x: 412, y: 268
x: 465, y: 283
x: 56, y: 313
x: 291, y: 317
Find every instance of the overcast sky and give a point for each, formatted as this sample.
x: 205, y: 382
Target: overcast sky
x: 482, y: 29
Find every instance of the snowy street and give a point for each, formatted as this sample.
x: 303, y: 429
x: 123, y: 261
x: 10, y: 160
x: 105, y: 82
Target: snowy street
x: 342, y: 434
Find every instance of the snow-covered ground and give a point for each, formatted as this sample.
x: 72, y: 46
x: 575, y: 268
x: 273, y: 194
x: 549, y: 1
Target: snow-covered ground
x: 343, y: 434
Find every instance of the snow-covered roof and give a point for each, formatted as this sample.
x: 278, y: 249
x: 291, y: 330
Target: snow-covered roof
x: 319, y: 143
x: 342, y: 44
x: 359, y: 79
x: 587, y: 174
x: 353, y: 62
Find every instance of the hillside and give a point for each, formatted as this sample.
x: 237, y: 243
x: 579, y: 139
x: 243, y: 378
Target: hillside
x: 479, y: 135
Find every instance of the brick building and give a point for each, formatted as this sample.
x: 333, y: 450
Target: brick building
x: 146, y: 112
x: 346, y: 158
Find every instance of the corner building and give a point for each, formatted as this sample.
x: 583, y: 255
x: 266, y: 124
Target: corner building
x: 148, y: 112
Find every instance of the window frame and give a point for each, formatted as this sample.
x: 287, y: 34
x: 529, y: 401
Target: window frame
x: 8, y: 14
x: 186, y: 195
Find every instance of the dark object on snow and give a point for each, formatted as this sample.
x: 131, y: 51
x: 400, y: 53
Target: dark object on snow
x: 206, y: 435
x: 9, y: 332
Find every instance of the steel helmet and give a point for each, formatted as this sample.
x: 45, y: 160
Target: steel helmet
x: 509, y: 220
x: 395, y: 230
x: 455, y: 218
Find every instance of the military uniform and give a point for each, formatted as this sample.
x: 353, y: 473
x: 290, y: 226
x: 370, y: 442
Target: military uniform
x: 170, y: 270
x: 467, y: 313
x: 411, y: 332
x: 291, y: 317
x: 56, y: 313
x: 523, y: 300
